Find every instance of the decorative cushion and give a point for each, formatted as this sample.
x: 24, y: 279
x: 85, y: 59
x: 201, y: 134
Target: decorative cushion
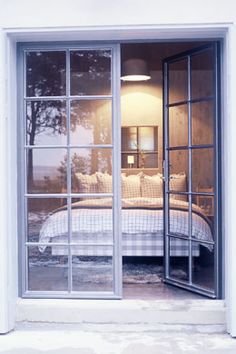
x: 131, y: 186
x: 104, y: 181
x: 87, y: 183
x: 178, y: 183
x: 151, y: 186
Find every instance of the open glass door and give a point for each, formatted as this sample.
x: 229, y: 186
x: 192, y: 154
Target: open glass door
x: 71, y: 168
x: 191, y: 165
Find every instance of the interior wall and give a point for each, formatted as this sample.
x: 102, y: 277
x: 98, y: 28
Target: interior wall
x: 141, y: 104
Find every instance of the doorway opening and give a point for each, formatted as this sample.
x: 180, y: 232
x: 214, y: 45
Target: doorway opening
x: 169, y: 155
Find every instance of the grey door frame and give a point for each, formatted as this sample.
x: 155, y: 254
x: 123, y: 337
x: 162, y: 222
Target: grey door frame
x: 116, y: 148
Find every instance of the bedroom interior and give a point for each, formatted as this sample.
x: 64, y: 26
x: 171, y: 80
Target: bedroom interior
x: 72, y: 203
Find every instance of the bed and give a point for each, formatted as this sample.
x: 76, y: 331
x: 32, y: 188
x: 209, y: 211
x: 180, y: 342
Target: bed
x: 142, y: 227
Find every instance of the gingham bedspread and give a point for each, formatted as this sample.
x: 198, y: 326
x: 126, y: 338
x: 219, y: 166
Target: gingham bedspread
x: 142, y: 226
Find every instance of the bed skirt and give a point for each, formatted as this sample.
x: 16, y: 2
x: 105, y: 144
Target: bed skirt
x: 150, y: 245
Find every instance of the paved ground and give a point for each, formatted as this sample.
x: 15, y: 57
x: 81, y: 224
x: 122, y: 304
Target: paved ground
x: 109, y: 339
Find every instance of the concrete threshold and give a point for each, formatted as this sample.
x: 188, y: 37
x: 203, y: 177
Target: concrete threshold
x: 202, y: 315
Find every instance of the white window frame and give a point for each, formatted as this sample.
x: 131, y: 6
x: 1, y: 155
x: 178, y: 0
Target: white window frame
x: 8, y: 148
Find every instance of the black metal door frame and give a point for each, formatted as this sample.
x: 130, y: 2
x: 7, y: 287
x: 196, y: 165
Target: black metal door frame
x: 168, y: 278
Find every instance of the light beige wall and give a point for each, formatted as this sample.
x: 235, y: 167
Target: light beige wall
x: 141, y: 104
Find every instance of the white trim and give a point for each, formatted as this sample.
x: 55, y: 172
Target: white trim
x: 7, y: 154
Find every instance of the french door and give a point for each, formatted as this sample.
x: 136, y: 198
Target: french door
x: 70, y: 143
x: 191, y: 169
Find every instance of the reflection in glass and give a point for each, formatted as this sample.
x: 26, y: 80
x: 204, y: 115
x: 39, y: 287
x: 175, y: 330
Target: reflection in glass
x: 91, y: 122
x: 87, y: 162
x: 206, y: 212
x: 46, y: 123
x: 178, y: 126
x: 45, y: 73
x: 179, y: 265
x: 202, y: 168
x: 47, y: 271
x: 202, y: 123
x: 46, y: 170
x: 92, y: 223
x: 92, y: 273
x: 90, y: 72
x: 178, y: 215
x: 40, y: 210
x: 202, y: 74
x: 178, y: 81
x: 178, y: 160
x: 203, y: 266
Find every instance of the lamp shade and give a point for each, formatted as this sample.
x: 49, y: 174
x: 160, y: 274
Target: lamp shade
x: 135, y: 70
x: 130, y: 159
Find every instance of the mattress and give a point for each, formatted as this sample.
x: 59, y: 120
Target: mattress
x: 141, y: 224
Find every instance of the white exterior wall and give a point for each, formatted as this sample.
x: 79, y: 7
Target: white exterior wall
x: 27, y: 20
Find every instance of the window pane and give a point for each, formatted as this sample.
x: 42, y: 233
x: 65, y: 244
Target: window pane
x: 47, y: 219
x: 85, y: 163
x: 45, y: 73
x: 129, y: 138
x: 90, y: 72
x: 202, y: 169
x: 47, y: 270
x: 91, y: 122
x: 203, y: 218
x: 92, y: 223
x: 202, y: 74
x: 46, y: 123
x: 202, y: 123
x: 46, y: 170
x: 178, y: 126
x: 178, y: 160
x: 147, y: 138
x: 178, y: 215
x: 203, y: 265
x: 92, y: 273
x: 178, y: 81
x: 179, y: 252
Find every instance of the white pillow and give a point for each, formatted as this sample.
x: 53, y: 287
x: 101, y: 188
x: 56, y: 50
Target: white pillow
x: 178, y: 183
x: 151, y: 186
x: 87, y: 183
x: 104, y: 182
x: 131, y: 186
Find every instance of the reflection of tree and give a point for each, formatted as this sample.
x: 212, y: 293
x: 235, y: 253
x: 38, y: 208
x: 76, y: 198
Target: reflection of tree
x: 43, y: 117
x: 46, y: 76
x: 78, y: 164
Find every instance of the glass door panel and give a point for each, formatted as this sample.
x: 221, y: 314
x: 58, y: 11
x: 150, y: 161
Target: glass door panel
x: 178, y: 76
x: 70, y: 153
x: 90, y: 72
x: 203, y: 74
x: 202, y: 123
x: 203, y: 170
x: 190, y: 168
x: 91, y: 122
x: 178, y: 126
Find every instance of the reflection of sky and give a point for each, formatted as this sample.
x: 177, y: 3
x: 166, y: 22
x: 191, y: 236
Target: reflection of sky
x: 53, y: 157
x: 81, y: 136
